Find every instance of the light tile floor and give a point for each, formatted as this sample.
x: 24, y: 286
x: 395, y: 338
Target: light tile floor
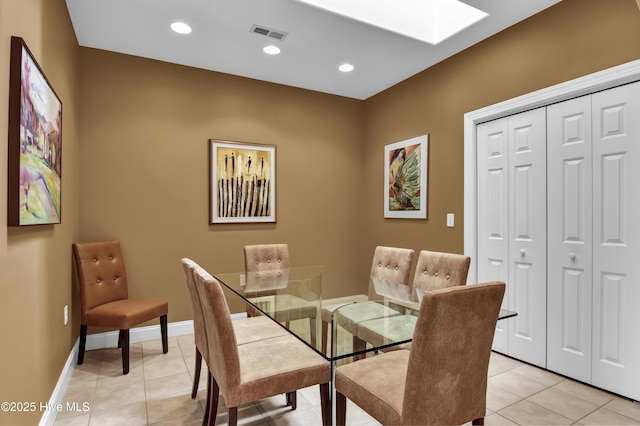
x: 158, y: 388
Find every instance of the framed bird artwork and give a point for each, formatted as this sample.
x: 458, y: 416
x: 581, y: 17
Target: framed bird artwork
x: 405, y: 176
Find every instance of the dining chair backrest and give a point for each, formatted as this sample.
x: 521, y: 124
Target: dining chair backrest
x: 101, y: 272
x: 266, y: 266
x: 223, y: 359
x: 446, y: 380
x: 199, y: 332
x: 392, y: 264
x: 436, y: 270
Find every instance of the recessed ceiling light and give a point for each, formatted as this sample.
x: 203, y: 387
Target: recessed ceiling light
x: 346, y: 67
x: 271, y: 50
x: 181, y: 28
x: 430, y: 21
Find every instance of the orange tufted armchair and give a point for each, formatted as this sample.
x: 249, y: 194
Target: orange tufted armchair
x: 104, y: 297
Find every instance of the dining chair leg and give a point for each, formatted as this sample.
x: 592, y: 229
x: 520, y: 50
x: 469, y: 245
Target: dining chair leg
x: 233, y: 416
x: 163, y: 332
x: 312, y: 331
x: 83, y: 343
x: 196, y: 374
x: 124, y: 343
x: 359, y: 345
x: 478, y: 421
x: 212, y: 400
x: 325, y: 336
x: 325, y: 403
x: 341, y: 408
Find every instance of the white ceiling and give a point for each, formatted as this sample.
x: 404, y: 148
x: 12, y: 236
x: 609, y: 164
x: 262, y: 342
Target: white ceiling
x: 317, y: 42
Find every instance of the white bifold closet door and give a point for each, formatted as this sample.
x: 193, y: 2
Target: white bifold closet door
x: 570, y: 225
x: 594, y: 239
x: 512, y: 227
x: 616, y: 240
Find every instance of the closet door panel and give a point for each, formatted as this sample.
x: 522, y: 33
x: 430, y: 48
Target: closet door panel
x: 569, y: 280
x: 616, y: 245
x: 493, y: 227
x: 527, y: 235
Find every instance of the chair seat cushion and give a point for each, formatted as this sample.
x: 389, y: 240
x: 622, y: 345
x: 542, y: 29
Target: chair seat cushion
x: 277, y: 365
x: 124, y: 314
x: 376, y: 385
x: 253, y: 329
x: 383, y: 331
x: 349, y: 316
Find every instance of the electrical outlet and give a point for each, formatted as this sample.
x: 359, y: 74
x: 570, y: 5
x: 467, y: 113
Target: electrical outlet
x: 66, y: 314
x: 450, y: 220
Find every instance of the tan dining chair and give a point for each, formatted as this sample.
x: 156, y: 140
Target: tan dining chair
x: 267, y: 272
x: 255, y: 370
x: 442, y: 380
x: 391, y: 264
x: 434, y: 270
x: 104, y: 297
x: 246, y: 329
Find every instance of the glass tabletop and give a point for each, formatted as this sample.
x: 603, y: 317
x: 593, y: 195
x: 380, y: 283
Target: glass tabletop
x: 359, y: 313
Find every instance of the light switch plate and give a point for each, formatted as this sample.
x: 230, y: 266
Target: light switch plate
x: 450, y: 220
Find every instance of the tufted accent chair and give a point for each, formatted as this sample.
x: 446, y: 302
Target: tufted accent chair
x: 104, y: 297
x: 442, y: 380
x: 389, y: 264
x: 434, y: 270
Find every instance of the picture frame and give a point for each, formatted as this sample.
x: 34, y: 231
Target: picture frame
x: 35, y: 143
x: 405, y: 178
x: 242, y: 182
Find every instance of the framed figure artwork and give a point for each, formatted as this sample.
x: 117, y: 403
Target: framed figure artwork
x: 405, y: 178
x: 35, y: 143
x: 242, y: 181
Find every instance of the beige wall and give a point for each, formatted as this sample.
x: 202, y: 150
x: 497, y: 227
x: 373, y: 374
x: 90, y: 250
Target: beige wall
x: 569, y: 40
x: 139, y: 143
x: 145, y: 131
x: 35, y: 263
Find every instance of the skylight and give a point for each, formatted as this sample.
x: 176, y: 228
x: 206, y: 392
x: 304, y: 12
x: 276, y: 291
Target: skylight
x: 431, y: 21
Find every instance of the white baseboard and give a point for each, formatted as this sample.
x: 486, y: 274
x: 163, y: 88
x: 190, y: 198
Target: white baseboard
x: 105, y: 340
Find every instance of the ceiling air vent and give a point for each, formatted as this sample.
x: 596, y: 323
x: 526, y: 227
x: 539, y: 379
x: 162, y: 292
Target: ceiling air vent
x: 269, y: 32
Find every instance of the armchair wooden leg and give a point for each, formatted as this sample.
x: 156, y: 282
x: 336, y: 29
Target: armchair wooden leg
x: 478, y: 421
x: 341, y: 408
x: 325, y: 403
x: 196, y: 374
x: 124, y: 342
x: 83, y: 343
x: 163, y: 331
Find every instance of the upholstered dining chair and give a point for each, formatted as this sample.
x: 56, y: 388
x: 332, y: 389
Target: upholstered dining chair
x: 255, y: 370
x: 390, y: 264
x: 104, y: 297
x: 434, y: 270
x: 443, y: 378
x: 246, y: 329
x: 267, y: 271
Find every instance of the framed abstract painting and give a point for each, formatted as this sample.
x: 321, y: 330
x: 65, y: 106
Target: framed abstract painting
x: 35, y: 143
x: 242, y: 181
x: 405, y: 178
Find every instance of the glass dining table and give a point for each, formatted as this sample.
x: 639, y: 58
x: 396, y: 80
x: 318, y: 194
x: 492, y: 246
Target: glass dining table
x: 363, y: 315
